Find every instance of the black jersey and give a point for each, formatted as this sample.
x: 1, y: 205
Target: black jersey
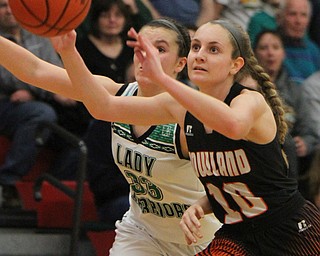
x: 245, y: 182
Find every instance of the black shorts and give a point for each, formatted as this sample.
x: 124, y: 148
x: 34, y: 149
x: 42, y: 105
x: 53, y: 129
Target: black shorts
x: 298, y: 235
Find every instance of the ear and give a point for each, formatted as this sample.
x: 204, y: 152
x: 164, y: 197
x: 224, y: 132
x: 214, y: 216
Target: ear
x: 238, y: 63
x: 182, y: 61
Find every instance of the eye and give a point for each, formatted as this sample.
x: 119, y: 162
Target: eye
x: 213, y: 49
x: 161, y: 49
x: 195, y: 47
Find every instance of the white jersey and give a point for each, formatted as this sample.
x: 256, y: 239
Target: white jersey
x: 162, y: 183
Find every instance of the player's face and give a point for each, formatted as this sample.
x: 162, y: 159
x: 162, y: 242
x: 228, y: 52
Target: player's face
x: 270, y: 53
x: 165, y: 41
x: 7, y: 20
x: 209, y: 60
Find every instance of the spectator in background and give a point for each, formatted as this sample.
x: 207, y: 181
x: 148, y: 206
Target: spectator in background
x: 141, y: 13
x: 302, y: 55
x: 187, y: 12
x: 312, y: 180
x: 104, y: 48
x: 270, y: 53
x: 22, y: 107
x: 238, y: 11
x: 265, y: 19
x: 311, y: 93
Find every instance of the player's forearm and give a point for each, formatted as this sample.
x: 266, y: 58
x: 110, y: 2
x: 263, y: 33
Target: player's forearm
x: 84, y: 84
x: 17, y: 60
x: 32, y: 70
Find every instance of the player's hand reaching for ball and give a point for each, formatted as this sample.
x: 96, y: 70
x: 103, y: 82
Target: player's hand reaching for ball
x: 190, y: 223
x: 64, y: 43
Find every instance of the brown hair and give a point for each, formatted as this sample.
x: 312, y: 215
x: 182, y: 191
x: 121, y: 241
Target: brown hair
x: 101, y: 6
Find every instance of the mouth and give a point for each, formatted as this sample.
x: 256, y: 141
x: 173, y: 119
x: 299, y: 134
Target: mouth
x: 198, y: 68
x: 270, y: 62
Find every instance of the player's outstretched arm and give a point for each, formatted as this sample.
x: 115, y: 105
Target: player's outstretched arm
x: 32, y: 70
x: 99, y: 102
x: 37, y: 72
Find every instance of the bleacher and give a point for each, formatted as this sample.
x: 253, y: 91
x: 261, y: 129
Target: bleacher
x: 58, y: 217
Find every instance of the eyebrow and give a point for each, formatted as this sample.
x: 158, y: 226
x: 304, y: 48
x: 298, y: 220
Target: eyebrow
x: 161, y: 41
x: 209, y: 43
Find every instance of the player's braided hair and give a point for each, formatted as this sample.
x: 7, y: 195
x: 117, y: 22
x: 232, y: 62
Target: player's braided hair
x: 268, y: 89
x: 242, y: 48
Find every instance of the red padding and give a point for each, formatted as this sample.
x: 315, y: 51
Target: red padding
x: 102, y: 241
x: 55, y: 210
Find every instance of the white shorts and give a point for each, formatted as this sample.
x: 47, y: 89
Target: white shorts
x: 132, y: 240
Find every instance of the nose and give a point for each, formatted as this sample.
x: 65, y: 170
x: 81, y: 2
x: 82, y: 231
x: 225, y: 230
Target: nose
x: 112, y: 17
x: 200, y: 57
x: 270, y: 51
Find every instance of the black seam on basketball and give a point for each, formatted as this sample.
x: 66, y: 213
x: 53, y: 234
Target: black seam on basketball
x: 64, y: 27
x: 52, y: 27
x: 44, y: 23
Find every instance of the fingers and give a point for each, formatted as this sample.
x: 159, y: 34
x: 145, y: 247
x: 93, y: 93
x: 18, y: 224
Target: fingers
x: 139, y: 55
x: 138, y: 44
x: 188, y: 240
x: 145, y: 43
x: 72, y: 34
x: 132, y: 33
x: 133, y: 43
x: 139, y: 41
x: 191, y: 225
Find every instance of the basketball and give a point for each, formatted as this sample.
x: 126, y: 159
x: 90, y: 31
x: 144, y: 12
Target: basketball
x: 49, y: 18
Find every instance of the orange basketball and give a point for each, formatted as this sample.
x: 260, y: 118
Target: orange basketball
x: 49, y: 17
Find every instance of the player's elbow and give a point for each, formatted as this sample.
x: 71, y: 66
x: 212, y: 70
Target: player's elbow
x: 235, y: 130
x: 97, y: 112
x: 100, y: 115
